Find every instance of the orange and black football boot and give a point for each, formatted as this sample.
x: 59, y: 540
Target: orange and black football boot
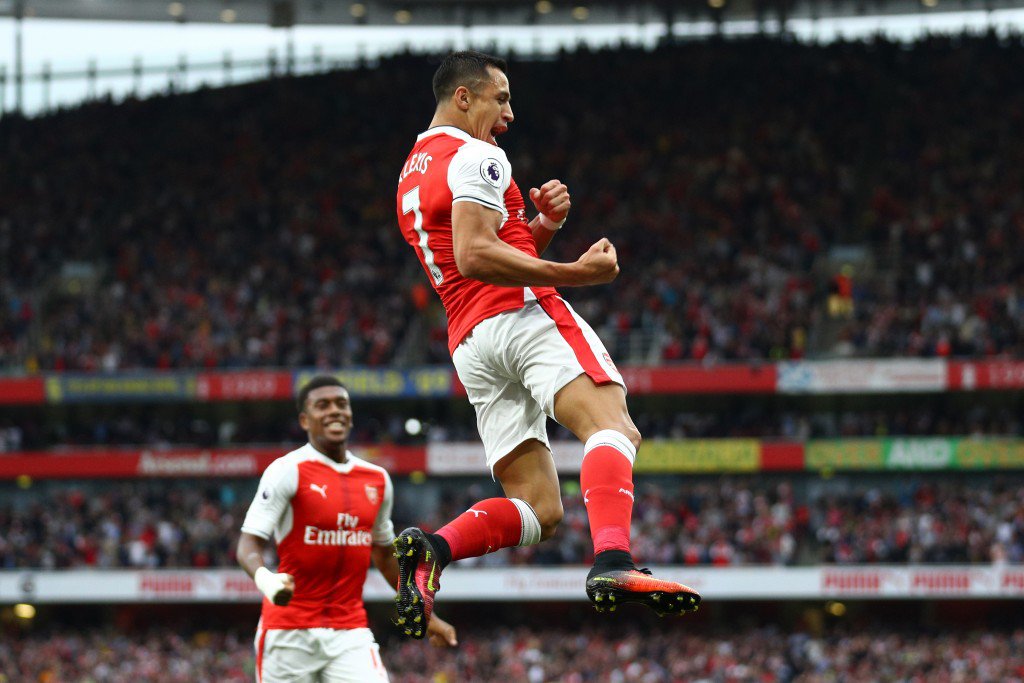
x: 609, y: 587
x: 419, y: 574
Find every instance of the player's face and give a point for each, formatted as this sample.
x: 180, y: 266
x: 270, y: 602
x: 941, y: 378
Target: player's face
x: 491, y: 113
x: 327, y: 418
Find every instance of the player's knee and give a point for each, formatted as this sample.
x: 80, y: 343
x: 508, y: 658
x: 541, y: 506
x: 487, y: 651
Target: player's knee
x: 550, y: 515
x: 633, y: 434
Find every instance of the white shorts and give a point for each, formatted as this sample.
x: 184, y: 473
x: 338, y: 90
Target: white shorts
x: 514, y: 363
x: 318, y: 655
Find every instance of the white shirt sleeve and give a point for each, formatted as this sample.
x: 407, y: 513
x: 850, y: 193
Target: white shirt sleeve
x: 480, y: 173
x: 383, y: 528
x: 277, y: 488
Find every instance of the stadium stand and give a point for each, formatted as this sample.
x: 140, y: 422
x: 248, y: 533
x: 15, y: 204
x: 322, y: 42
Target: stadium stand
x: 779, y: 202
x: 733, y: 209
x: 719, y: 521
x: 539, y: 654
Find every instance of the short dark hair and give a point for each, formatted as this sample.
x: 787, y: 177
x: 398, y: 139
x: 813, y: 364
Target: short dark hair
x: 467, y: 68
x: 316, y: 383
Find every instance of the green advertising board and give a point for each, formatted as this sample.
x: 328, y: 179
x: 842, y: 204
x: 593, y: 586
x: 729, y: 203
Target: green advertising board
x: 997, y: 454
x: 915, y: 454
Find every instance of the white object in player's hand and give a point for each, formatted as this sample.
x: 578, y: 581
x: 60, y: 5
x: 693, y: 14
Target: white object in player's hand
x: 278, y: 588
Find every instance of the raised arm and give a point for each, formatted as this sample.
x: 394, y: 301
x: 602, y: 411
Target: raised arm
x: 480, y: 254
x: 552, y: 202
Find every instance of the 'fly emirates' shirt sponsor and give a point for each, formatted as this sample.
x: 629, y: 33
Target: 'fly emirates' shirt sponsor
x: 324, y: 516
x: 447, y: 166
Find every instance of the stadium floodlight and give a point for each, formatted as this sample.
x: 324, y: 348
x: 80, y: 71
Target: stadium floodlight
x: 24, y: 611
x: 836, y: 609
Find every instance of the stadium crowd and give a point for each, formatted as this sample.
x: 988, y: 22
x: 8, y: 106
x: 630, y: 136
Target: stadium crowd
x: 752, y: 655
x: 124, y: 525
x: 218, y: 229
x: 551, y: 653
x: 734, y: 522
x: 109, y: 656
x: 709, y: 521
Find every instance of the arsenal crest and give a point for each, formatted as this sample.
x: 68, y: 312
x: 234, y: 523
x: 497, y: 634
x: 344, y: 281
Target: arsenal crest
x: 371, y: 494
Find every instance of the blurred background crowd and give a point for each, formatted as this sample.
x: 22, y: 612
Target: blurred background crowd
x: 854, y: 199
x: 873, y: 219
x: 719, y: 521
x: 536, y: 654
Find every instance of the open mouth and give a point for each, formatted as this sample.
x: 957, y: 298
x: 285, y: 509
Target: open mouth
x: 335, y: 426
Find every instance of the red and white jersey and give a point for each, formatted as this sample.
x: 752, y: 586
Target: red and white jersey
x: 324, y: 516
x: 446, y: 166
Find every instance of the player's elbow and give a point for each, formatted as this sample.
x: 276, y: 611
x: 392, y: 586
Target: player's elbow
x: 247, y: 546
x: 241, y: 551
x: 470, y: 264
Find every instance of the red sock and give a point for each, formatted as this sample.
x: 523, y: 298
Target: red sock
x: 606, y: 478
x: 487, y: 526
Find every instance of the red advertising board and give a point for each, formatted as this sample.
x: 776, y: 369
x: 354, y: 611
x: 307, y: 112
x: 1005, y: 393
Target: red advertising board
x: 244, y: 386
x: 782, y: 456
x: 986, y: 374
x: 216, y: 462
x: 699, y: 379
x: 129, y: 464
x: 22, y: 390
x: 690, y: 379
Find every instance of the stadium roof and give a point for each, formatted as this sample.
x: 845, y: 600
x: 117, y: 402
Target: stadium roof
x: 283, y: 13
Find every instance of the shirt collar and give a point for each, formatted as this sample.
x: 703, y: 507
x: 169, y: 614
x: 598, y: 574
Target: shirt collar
x: 446, y: 130
x: 344, y: 467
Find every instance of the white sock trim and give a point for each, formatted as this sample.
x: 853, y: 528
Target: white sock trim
x: 531, y: 522
x: 617, y: 440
